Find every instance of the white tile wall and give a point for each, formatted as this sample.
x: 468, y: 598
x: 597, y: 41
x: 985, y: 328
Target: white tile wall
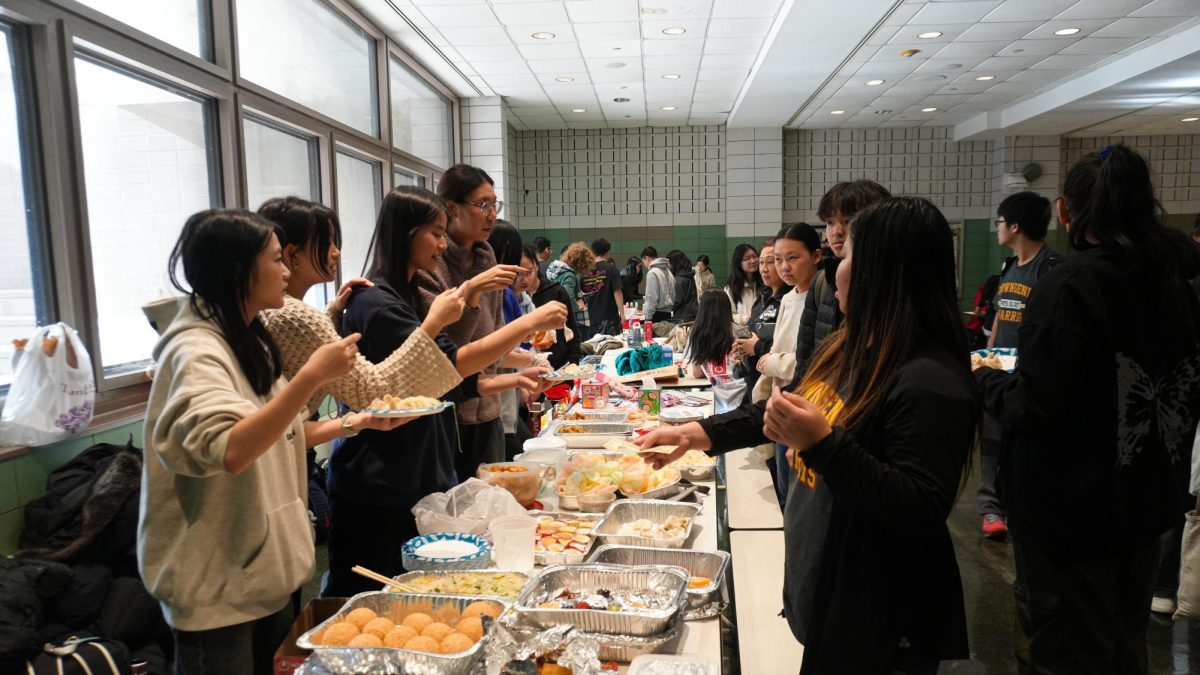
x: 656, y: 176
x: 754, y: 200
x: 1174, y: 164
x: 484, y: 140
x: 1011, y: 154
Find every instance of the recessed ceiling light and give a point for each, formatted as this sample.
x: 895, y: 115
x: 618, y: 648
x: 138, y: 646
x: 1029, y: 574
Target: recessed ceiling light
x: 874, y: 83
x: 1067, y: 31
x: 985, y: 78
x: 578, y: 110
x: 928, y: 109
x: 1190, y: 119
x: 930, y: 35
x: 671, y: 76
x: 837, y: 112
x: 674, y: 30
x: 542, y: 36
x: 668, y: 107
x: 564, y: 78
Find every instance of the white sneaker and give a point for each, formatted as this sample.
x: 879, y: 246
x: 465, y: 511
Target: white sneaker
x: 1162, y: 605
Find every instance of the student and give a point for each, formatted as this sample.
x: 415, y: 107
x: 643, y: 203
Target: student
x: 705, y: 280
x: 471, y: 201
x: 763, y: 317
x: 744, y: 283
x: 310, y: 234
x: 686, y: 304
x: 880, y: 433
x: 710, y: 344
x: 631, y: 278
x: 1098, y: 421
x: 542, y: 291
x: 544, y: 251
x: 376, y: 478
x: 576, y: 260
x: 1021, y: 224
x: 223, y: 534
x: 838, y: 207
x: 660, y: 286
x: 604, y: 293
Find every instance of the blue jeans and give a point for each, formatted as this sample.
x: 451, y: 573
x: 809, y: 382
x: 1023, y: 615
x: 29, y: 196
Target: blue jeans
x: 785, y: 475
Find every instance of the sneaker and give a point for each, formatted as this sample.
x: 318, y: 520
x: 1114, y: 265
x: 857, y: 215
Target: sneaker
x: 1161, y: 605
x: 994, y: 526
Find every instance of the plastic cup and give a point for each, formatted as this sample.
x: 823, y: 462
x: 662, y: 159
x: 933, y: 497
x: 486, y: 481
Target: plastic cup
x: 513, y: 541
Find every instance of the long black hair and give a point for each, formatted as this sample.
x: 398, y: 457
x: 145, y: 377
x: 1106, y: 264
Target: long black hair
x: 902, y: 297
x: 711, y: 337
x: 738, y: 279
x: 219, y: 249
x: 460, y: 180
x: 1111, y: 201
x: 404, y: 211
x: 302, y: 222
x: 633, y: 268
x: 505, y: 241
x: 679, y: 262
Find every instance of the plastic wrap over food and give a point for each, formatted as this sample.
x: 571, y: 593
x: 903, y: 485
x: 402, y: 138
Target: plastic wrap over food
x: 704, y: 599
x: 607, y: 599
x: 564, y: 645
x: 624, y: 648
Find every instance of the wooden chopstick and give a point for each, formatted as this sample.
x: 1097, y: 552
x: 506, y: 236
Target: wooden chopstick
x: 375, y: 576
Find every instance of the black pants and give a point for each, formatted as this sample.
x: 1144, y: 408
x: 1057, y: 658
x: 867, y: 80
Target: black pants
x: 478, y: 444
x: 242, y: 648
x: 1083, y: 617
x: 987, y: 501
x: 514, y: 443
x: 367, y: 535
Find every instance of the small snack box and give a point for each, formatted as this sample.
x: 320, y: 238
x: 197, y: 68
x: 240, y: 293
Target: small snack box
x: 594, y: 395
x: 651, y: 400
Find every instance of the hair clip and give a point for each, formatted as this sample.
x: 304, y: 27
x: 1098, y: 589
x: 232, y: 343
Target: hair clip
x: 1105, y: 153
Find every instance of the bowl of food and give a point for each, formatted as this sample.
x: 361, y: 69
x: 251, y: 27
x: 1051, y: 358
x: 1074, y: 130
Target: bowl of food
x: 595, y: 502
x: 679, y: 415
x: 695, y: 465
x: 522, y: 480
x: 446, y: 551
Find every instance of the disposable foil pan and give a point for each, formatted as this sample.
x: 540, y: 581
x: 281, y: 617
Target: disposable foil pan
x: 627, y: 511
x: 659, y: 492
x: 702, y: 602
x: 596, y: 434
x: 589, y: 415
x: 408, y: 578
x: 564, y: 558
x: 623, y: 648
x: 669, y: 583
x: 350, y: 660
x: 571, y: 502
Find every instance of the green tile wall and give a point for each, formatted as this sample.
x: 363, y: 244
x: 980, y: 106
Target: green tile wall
x: 23, y: 479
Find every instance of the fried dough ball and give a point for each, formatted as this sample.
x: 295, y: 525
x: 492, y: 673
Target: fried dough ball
x: 361, y: 617
x: 379, y: 627
x: 417, y: 621
x: 438, y: 631
x: 340, y: 633
x: 481, y: 607
x: 456, y: 642
x: 425, y: 644
x: 399, y: 636
x: 472, y: 627
x: 366, y: 640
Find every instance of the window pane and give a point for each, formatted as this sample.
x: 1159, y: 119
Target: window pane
x: 20, y: 304
x: 421, y: 117
x: 359, y: 197
x: 402, y: 177
x: 183, y: 23
x: 279, y: 163
x: 147, y: 159
x: 306, y: 51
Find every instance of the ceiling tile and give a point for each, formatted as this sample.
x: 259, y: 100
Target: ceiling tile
x: 603, y: 75
x: 1168, y: 8
x: 1067, y: 62
x: 653, y: 30
x: 496, y: 53
x: 745, y: 46
x: 615, y: 49
x: 956, y: 50
x: 1041, y: 77
x: 502, y: 83
x: 550, y: 79
x: 613, y: 30
x: 1096, y: 45
x: 882, y: 35
x: 949, y: 66
x: 1035, y: 47
x: 530, y: 13
x: 544, y: 52
x: 494, y: 35
x: 907, y: 35
x: 558, y: 66
x: 683, y: 9
x: 1142, y: 27
x: 1007, y: 64
x: 1088, y: 26
x: 598, y: 11
x: 722, y: 75
x: 460, y: 16
x: 892, y: 53
x: 523, y: 35
x: 726, y: 61
x: 500, y: 67
x: 954, y: 12
x: 1101, y: 9
x: 1027, y: 10
x: 736, y: 9
x: 734, y: 28
x: 902, y: 14
x: 881, y: 68
x: 668, y: 47
x: 673, y: 64
x: 983, y: 32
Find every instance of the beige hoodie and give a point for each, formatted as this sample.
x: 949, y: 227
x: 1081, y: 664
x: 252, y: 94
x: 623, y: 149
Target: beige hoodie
x: 216, y: 549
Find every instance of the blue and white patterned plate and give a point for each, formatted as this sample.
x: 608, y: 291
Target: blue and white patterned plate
x: 1008, y: 356
x: 419, y: 557
x: 408, y: 412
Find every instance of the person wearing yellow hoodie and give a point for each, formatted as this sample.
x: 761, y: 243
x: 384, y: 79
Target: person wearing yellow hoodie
x: 224, y: 538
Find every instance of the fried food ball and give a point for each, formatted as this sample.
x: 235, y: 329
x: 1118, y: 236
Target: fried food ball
x: 417, y: 621
x: 437, y: 630
x: 340, y: 633
x: 361, y: 617
x: 553, y: 669
x: 425, y: 644
x: 481, y: 607
x: 399, y: 636
x: 472, y: 627
x: 379, y: 627
x: 366, y: 640
x: 456, y: 642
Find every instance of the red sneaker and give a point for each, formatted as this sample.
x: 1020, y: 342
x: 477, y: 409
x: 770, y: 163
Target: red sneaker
x: 994, y: 526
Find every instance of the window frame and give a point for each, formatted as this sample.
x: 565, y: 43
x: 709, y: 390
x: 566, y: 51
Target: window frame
x: 342, y: 146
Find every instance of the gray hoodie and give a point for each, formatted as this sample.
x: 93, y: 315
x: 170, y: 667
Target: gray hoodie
x: 660, y: 288
x: 216, y: 549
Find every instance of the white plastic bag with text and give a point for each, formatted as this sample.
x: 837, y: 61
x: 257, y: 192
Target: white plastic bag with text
x: 53, y: 390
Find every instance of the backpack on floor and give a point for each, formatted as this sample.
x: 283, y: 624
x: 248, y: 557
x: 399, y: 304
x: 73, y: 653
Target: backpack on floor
x: 81, y: 656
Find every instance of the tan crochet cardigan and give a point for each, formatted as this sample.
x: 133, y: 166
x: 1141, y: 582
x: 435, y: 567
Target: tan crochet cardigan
x: 417, y: 368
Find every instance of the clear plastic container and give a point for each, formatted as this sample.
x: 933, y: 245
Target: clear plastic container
x: 673, y: 664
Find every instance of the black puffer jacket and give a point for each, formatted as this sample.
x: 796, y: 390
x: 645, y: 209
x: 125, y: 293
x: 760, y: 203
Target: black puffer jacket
x: 821, y: 314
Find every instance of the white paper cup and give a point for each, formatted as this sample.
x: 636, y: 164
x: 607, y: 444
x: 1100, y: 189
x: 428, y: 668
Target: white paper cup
x: 512, y: 542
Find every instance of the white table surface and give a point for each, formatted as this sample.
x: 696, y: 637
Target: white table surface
x: 750, y: 494
x: 765, y: 643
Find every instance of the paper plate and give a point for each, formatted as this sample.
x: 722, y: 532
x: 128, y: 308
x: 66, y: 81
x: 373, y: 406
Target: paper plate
x: 446, y: 550
x: 409, y: 412
x: 1008, y: 356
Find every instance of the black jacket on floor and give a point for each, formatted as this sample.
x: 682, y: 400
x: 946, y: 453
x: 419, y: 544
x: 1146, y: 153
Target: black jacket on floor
x: 888, y: 594
x: 1101, y: 412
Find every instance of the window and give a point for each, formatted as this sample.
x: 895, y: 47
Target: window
x: 402, y: 177
x: 183, y: 23
x: 23, y: 301
x: 422, y: 119
x: 279, y: 163
x: 360, y: 194
x: 148, y: 158
x: 309, y: 53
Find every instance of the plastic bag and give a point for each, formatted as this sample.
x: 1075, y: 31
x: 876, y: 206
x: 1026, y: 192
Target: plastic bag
x: 467, y: 507
x: 53, y: 389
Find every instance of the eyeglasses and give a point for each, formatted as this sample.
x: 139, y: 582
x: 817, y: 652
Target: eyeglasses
x: 484, y: 207
x: 1000, y: 222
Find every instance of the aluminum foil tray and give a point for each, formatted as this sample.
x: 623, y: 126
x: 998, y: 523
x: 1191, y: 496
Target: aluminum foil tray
x: 629, y: 510
x: 591, y: 415
x: 571, y: 502
x: 597, y: 434
x: 565, y: 558
x: 670, y: 584
x: 623, y: 648
x: 395, y: 606
x: 702, y: 602
x: 408, y: 578
x: 659, y: 492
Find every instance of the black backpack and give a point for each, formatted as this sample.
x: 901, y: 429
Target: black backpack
x: 90, y: 656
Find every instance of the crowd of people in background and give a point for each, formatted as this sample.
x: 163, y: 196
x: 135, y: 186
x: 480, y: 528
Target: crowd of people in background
x: 845, y: 345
